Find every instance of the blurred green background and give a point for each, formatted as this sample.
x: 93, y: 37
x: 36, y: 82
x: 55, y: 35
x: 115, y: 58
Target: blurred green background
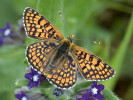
x: 107, y: 21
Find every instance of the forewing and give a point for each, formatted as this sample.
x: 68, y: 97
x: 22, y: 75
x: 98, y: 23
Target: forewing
x: 91, y: 67
x: 39, y: 54
x: 65, y: 74
x: 37, y: 26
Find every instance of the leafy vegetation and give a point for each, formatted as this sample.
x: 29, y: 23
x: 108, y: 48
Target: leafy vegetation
x: 108, y: 22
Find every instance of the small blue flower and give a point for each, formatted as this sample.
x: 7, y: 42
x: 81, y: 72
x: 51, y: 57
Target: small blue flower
x: 94, y: 92
x: 57, y: 92
x: 22, y: 96
x: 34, y: 78
x: 5, y: 32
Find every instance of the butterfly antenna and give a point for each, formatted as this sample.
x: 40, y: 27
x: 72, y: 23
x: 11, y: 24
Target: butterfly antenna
x: 88, y: 41
x: 64, y: 22
x: 37, y: 5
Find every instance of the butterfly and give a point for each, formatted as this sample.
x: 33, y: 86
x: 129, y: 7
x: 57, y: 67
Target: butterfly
x: 56, y: 57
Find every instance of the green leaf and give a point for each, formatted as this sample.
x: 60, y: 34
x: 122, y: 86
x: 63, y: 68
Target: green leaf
x: 80, y: 86
x: 108, y: 95
x: 12, y: 66
x: 118, y: 58
x: 21, y: 82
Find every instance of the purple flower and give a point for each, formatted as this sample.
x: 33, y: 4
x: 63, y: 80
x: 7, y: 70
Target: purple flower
x: 85, y: 97
x: 5, y: 32
x: 22, y: 96
x: 57, y: 92
x: 34, y: 78
x: 1, y: 41
x: 94, y: 92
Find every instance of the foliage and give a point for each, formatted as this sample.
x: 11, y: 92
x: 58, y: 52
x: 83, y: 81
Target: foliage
x: 84, y: 20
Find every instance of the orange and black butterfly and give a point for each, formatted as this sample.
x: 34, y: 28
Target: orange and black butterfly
x: 56, y: 57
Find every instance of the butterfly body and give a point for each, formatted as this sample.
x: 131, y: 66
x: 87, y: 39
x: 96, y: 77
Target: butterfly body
x: 60, y: 52
x: 57, y: 58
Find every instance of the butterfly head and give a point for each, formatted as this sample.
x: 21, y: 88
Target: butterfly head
x: 70, y: 38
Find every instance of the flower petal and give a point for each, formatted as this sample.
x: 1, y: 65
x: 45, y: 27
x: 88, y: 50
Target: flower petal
x: 95, y: 83
x: 8, y: 26
x: 86, y: 96
x: 29, y: 76
x: 31, y: 84
x: 37, y: 83
x: 34, y: 71
x: 2, y: 31
x: 1, y: 41
x: 23, y: 94
x: 100, y: 87
x: 99, y: 96
x: 80, y: 99
x: 18, y: 96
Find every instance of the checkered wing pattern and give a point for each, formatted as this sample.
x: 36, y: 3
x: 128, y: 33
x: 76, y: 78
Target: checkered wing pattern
x: 65, y: 74
x: 91, y: 67
x: 37, y: 26
x: 39, y: 54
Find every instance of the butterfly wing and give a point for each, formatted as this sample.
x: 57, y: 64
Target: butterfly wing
x: 39, y: 54
x: 65, y: 73
x: 91, y: 67
x: 38, y: 27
